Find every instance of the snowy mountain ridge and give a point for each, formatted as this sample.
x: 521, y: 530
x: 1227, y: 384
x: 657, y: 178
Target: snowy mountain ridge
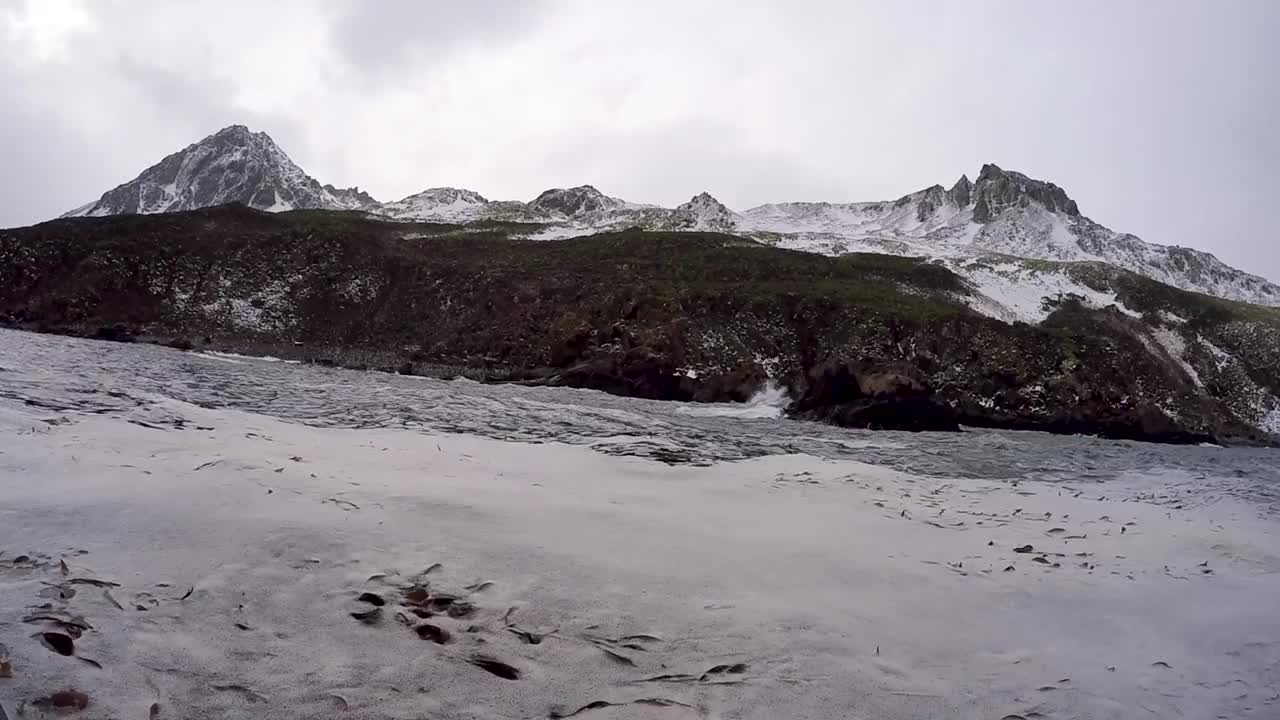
x: 449, y: 204
x: 1002, y: 213
x: 232, y: 165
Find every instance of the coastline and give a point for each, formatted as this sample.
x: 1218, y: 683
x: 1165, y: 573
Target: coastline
x: 836, y: 584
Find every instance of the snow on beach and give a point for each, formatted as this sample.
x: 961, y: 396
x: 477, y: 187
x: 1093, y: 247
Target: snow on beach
x: 212, y: 562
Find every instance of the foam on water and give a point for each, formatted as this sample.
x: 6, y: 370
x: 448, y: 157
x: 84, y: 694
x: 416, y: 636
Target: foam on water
x: 768, y: 403
x: 92, y: 377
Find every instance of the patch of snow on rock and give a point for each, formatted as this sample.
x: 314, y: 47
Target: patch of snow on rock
x: 1011, y: 291
x: 1221, y: 357
x: 1271, y: 421
x: 1176, y: 347
x: 438, y: 204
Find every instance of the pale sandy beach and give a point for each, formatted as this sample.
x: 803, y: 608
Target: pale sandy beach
x: 213, y: 561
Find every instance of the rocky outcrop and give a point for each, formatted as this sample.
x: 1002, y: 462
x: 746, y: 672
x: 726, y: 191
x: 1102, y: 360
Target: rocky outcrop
x: 961, y: 192
x: 352, y: 198
x: 928, y: 201
x: 999, y: 190
x: 574, y: 202
x: 856, y: 395
x: 638, y: 372
x: 705, y: 213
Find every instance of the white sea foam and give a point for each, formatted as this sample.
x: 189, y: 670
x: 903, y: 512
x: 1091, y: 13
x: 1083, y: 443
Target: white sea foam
x: 769, y: 403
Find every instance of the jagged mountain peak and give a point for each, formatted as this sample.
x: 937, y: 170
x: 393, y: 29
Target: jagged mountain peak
x: 236, y: 131
x: 704, y: 212
x: 998, y: 190
x: 961, y: 192
x: 233, y: 164
x: 703, y: 199
x: 990, y: 170
x: 925, y: 202
x: 354, y: 195
x: 931, y: 191
x: 241, y: 137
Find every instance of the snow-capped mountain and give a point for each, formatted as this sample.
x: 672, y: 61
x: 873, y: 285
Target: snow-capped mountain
x: 443, y: 204
x: 706, y: 213
x: 232, y: 165
x: 1001, y: 215
x: 578, y: 202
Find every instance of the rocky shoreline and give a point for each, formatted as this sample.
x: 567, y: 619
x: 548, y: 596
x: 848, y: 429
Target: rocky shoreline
x: 866, y: 341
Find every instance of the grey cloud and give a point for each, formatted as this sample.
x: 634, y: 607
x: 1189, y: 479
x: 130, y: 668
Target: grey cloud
x: 199, y: 105
x: 1158, y: 121
x: 47, y: 163
x: 389, y: 36
x: 669, y: 164
x: 54, y: 165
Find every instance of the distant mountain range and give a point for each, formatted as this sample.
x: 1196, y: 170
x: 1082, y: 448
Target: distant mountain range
x: 986, y: 229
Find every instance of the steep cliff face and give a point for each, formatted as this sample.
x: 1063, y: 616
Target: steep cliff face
x: 867, y: 340
x: 999, y: 190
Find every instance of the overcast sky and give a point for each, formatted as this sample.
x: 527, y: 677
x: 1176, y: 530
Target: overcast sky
x: 1160, y: 118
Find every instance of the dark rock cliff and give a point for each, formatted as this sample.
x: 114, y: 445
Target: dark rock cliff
x: 997, y: 190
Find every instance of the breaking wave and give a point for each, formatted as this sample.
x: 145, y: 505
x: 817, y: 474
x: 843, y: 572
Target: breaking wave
x: 767, y: 404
